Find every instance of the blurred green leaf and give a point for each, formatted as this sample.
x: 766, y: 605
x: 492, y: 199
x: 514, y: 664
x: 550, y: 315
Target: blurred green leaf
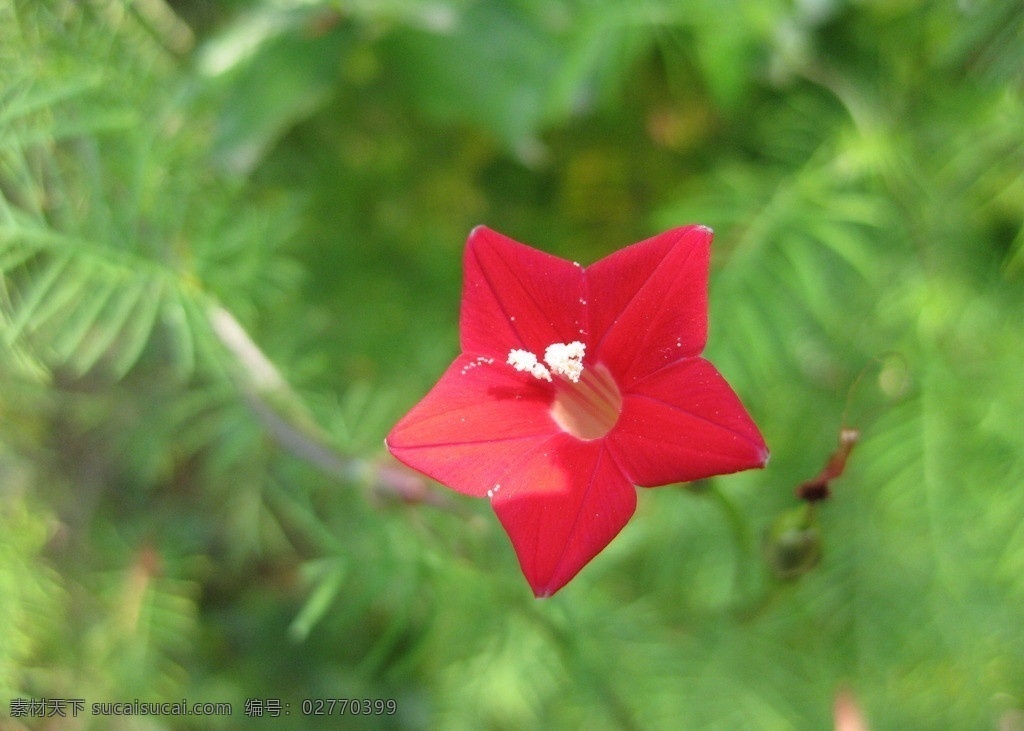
x: 326, y: 579
x: 490, y: 69
x: 272, y: 68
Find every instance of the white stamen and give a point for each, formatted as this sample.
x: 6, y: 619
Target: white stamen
x: 566, y: 359
x: 524, y: 360
x: 521, y: 360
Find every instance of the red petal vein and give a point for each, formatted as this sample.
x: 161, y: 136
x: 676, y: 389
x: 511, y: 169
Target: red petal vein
x: 651, y: 309
x: 561, y: 508
x: 684, y: 423
x: 517, y: 297
x: 473, y: 424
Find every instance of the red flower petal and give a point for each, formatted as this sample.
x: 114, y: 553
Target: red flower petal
x: 517, y: 297
x: 649, y: 303
x: 684, y: 423
x: 560, y: 507
x: 474, y: 424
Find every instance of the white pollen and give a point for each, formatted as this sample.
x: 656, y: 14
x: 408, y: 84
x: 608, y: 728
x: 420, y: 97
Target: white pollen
x: 480, y: 360
x: 566, y: 359
x: 524, y: 360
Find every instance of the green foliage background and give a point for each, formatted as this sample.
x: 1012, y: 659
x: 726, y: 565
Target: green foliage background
x: 230, y: 239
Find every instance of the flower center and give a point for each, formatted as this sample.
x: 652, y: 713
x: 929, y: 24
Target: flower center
x: 587, y: 402
x: 589, y: 407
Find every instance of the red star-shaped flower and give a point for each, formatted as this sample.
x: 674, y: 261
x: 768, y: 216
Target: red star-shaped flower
x: 575, y: 384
